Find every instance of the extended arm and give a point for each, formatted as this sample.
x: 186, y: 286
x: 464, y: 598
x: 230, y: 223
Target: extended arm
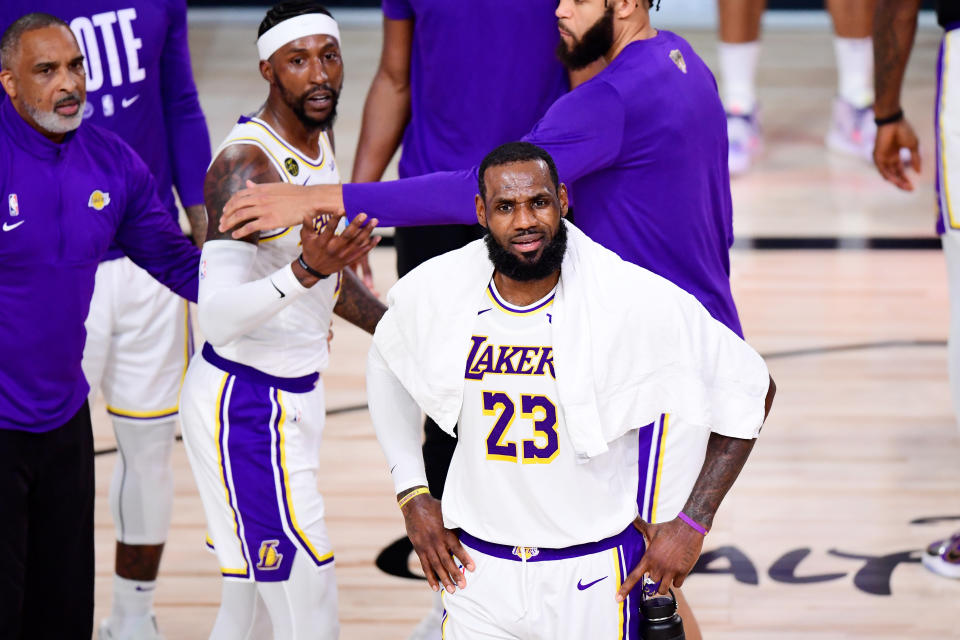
x: 187, y: 136
x: 396, y: 421
x: 149, y: 236
x: 230, y: 303
x: 894, y: 27
x: 387, y: 109
x: 579, y: 147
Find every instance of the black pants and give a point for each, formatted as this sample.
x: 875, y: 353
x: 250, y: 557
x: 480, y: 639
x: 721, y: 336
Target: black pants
x: 46, y: 532
x: 416, y: 245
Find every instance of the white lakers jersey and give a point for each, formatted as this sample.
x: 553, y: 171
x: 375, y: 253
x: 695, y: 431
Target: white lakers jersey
x: 293, y: 342
x: 514, y: 478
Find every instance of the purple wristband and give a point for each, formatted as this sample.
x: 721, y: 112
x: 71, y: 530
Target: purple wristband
x: 693, y: 524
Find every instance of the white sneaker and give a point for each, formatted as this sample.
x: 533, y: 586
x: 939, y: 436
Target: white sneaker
x: 943, y: 557
x: 745, y: 143
x: 852, y: 130
x: 144, y: 629
x: 429, y: 628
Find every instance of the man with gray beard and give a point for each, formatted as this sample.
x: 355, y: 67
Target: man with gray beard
x: 70, y: 192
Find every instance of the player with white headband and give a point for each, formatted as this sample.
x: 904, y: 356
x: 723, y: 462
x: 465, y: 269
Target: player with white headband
x: 252, y: 404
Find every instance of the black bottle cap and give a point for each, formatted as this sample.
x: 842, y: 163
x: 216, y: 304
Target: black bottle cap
x: 658, y: 608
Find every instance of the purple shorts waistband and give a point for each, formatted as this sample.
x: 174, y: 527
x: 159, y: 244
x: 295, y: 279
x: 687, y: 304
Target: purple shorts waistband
x: 630, y: 535
x: 303, y: 384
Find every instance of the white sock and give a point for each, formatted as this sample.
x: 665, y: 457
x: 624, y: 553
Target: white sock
x: 738, y: 72
x: 132, y: 601
x: 855, y: 70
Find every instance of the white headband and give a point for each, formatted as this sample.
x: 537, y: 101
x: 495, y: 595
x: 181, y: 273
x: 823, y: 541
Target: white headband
x: 311, y: 24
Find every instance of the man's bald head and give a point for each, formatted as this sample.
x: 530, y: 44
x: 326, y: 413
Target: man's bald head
x: 10, y: 40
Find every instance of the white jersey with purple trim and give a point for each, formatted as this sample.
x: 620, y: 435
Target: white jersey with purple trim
x: 294, y: 341
x: 514, y: 478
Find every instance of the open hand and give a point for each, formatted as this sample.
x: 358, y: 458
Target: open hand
x: 435, y: 545
x: 891, y: 138
x: 672, y: 551
x: 274, y: 205
x: 329, y: 252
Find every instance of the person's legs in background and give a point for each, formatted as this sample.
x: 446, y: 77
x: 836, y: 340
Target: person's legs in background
x: 852, y: 129
x: 739, y: 51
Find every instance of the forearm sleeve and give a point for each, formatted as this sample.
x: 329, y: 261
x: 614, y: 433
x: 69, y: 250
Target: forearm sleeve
x: 396, y: 421
x: 229, y: 303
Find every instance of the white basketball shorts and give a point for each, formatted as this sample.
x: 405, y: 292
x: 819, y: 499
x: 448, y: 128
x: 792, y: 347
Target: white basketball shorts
x: 253, y: 442
x: 139, y: 341
x: 533, y: 593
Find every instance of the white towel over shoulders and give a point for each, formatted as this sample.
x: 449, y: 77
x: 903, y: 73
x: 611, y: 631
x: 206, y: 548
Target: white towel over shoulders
x: 628, y: 346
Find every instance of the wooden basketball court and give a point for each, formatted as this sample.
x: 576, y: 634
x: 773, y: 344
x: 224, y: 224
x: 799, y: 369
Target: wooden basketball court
x: 857, y: 469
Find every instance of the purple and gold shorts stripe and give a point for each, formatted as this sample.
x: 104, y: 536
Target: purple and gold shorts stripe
x: 443, y: 619
x: 652, y: 444
x: 223, y: 458
x: 628, y: 556
x: 619, y: 575
x: 280, y: 464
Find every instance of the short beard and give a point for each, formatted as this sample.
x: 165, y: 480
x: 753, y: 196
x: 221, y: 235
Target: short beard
x: 517, y: 269
x: 54, y: 122
x: 298, y: 104
x: 594, y: 44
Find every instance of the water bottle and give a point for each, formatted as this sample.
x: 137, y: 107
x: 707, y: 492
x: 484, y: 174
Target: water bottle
x: 660, y: 618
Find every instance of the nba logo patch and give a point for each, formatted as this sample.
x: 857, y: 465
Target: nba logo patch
x: 13, y: 205
x: 678, y: 60
x: 269, y: 557
x: 98, y: 200
x: 203, y: 269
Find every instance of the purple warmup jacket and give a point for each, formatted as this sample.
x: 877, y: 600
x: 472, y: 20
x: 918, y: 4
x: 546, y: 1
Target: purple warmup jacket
x: 642, y: 147
x: 139, y: 85
x: 65, y: 204
x: 464, y: 54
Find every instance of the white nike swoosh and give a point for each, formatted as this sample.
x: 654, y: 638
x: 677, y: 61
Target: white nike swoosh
x: 10, y: 227
x: 126, y: 103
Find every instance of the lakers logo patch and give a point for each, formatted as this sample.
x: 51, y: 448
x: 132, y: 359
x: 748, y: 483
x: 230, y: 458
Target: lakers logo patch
x: 526, y: 552
x: 678, y: 60
x: 269, y: 557
x: 292, y: 167
x: 98, y: 200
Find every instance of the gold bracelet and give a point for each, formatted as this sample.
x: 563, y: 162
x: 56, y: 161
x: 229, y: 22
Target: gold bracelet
x: 410, y: 496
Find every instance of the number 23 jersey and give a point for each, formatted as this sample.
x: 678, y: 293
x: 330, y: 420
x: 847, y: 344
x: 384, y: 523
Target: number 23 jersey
x: 514, y: 478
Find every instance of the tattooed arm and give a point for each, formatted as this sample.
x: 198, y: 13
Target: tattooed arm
x: 357, y: 305
x: 230, y: 304
x: 894, y: 27
x: 228, y: 174
x: 673, y: 547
